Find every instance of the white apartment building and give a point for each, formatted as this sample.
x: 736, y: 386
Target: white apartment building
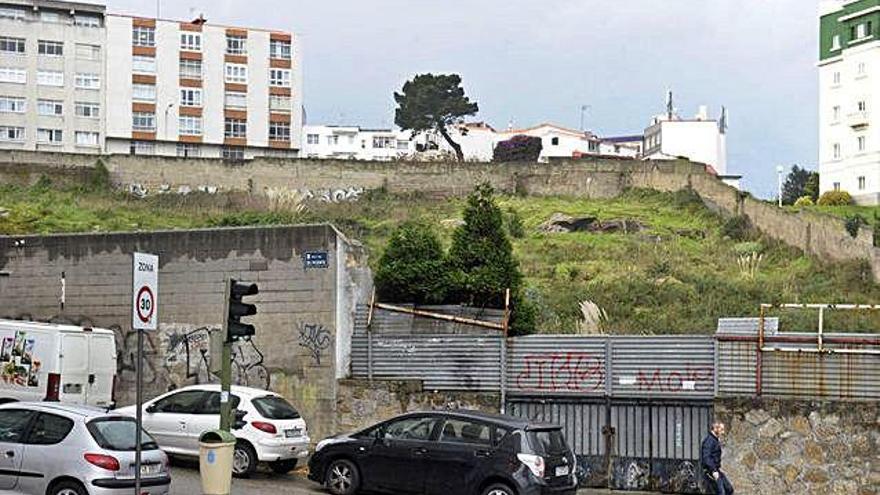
x: 700, y: 139
x: 197, y: 89
x: 849, y: 90
x: 52, y: 76
x: 355, y: 143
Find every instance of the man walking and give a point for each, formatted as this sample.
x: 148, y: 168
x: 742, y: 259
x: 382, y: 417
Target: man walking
x: 710, y: 458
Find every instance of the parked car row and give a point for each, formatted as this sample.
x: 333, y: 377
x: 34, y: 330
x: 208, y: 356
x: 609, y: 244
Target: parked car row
x: 60, y: 449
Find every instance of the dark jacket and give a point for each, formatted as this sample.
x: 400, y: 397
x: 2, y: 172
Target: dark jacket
x: 710, y: 454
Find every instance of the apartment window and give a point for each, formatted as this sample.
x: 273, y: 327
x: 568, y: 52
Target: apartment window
x: 837, y: 186
x: 50, y: 48
x: 12, y: 13
x: 13, y: 75
x: 236, y: 73
x: 236, y: 128
x: 279, y: 49
x: 12, y: 104
x: 52, y: 108
x: 862, y: 105
x: 49, y: 136
x: 88, y: 110
x: 279, y: 77
x: 143, y: 93
x: 88, y: 52
x: 143, y: 121
x: 279, y: 104
x: 11, y: 133
x: 836, y: 151
x: 862, y: 68
x: 191, y: 69
x: 313, y: 139
x: 279, y: 131
x: 50, y: 16
x: 554, y: 141
x: 236, y: 99
x: 861, y: 183
x: 835, y: 117
x: 191, y: 42
x: 380, y: 142
x: 402, y: 145
x: 11, y: 45
x: 50, y: 78
x: 143, y: 36
x: 333, y: 140
x: 85, y: 20
x: 87, y: 80
x: 143, y: 148
x: 189, y: 125
x: 861, y: 142
x: 186, y: 150
x: 230, y: 153
x: 836, y: 78
x: 236, y: 45
x: 835, y: 42
x: 143, y: 65
x: 190, y: 97
x: 84, y: 138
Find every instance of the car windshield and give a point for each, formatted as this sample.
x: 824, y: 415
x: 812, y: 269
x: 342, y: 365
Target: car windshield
x: 545, y: 442
x: 275, y: 407
x: 119, y: 434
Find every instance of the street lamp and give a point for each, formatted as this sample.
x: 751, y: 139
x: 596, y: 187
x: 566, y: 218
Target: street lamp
x: 779, y: 170
x: 584, y: 108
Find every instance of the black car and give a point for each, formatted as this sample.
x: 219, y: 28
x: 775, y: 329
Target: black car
x: 448, y: 453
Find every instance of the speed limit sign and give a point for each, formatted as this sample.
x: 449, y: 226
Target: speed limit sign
x: 145, y: 289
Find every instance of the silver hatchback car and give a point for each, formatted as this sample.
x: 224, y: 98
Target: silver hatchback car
x: 55, y: 449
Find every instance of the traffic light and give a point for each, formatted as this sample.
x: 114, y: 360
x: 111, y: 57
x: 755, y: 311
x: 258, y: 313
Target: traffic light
x: 235, y: 328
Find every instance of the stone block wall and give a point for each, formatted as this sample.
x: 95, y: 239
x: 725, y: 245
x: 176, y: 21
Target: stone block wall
x: 298, y: 350
x: 786, y: 446
x: 361, y: 403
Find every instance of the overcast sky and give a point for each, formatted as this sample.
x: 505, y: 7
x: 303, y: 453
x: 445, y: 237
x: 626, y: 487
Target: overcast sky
x: 539, y: 60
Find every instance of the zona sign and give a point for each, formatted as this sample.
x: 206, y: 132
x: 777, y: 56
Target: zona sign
x: 144, y: 290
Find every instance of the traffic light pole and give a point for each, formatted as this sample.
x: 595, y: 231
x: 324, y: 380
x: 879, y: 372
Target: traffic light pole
x: 226, y: 363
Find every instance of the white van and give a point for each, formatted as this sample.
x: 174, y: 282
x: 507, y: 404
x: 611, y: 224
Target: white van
x: 45, y: 361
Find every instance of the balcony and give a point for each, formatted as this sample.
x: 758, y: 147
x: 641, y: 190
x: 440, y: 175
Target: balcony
x: 858, y: 120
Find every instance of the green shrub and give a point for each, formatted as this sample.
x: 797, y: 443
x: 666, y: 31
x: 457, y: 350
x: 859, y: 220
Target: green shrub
x: 835, y: 198
x: 738, y: 228
x: 853, y: 223
x: 747, y: 248
x: 411, y: 270
x: 514, y: 224
x: 804, y: 201
x: 99, y: 177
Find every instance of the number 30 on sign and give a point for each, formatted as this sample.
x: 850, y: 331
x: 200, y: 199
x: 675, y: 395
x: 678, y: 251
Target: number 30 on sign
x: 145, y: 291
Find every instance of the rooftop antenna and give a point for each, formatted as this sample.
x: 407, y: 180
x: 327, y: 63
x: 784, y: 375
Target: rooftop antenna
x: 510, y: 124
x: 722, y: 122
x: 669, y: 105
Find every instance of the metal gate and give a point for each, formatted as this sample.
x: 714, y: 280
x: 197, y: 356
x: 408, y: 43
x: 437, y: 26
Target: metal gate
x: 628, y: 444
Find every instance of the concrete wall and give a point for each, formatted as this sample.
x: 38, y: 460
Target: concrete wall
x: 801, y: 447
x: 361, y: 403
x: 299, y: 310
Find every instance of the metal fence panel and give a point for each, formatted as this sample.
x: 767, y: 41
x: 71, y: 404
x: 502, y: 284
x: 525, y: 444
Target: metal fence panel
x: 556, y: 365
x: 668, y: 366
x: 737, y: 364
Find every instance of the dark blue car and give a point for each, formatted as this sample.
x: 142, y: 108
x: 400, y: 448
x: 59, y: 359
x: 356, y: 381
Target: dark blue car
x: 448, y: 453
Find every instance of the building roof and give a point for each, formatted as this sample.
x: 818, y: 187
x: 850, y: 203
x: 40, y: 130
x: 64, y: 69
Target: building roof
x: 566, y: 130
x: 623, y: 139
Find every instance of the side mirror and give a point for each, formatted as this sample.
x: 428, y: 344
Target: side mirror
x: 151, y: 408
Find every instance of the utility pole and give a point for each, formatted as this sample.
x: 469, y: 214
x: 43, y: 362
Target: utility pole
x: 226, y: 363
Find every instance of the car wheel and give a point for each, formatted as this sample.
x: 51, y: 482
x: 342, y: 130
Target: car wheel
x: 343, y: 478
x: 498, y: 489
x: 244, y: 460
x: 67, y: 488
x: 283, y: 467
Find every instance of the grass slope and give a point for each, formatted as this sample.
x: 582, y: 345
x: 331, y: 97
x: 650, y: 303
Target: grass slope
x: 677, y: 276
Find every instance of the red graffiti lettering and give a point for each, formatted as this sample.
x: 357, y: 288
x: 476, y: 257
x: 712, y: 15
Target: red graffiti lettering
x: 675, y: 381
x: 561, y: 372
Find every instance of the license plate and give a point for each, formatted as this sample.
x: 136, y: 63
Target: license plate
x: 296, y: 432
x: 151, y: 469
x: 562, y: 471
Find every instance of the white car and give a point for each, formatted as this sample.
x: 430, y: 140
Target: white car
x: 270, y: 431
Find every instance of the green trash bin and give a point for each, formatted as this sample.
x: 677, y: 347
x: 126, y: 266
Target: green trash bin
x: 215, y: 461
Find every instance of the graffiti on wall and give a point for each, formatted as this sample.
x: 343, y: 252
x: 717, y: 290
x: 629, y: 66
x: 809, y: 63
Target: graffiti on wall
x: 562, y: 372
x: 315, y: 338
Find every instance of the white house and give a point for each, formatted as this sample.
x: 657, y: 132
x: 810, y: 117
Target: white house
x: 849, y: 124
x: 699, y: 139
x: 355, y: 143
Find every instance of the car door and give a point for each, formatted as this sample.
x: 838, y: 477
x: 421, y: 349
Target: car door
x: 205, y: 417
x: 396, y: 462
x: 459, y: 459
x: 102, y: 367
x: 74, y: 367
x: 40, y: 463
x: 14, y: 424
x: 167, y: 420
